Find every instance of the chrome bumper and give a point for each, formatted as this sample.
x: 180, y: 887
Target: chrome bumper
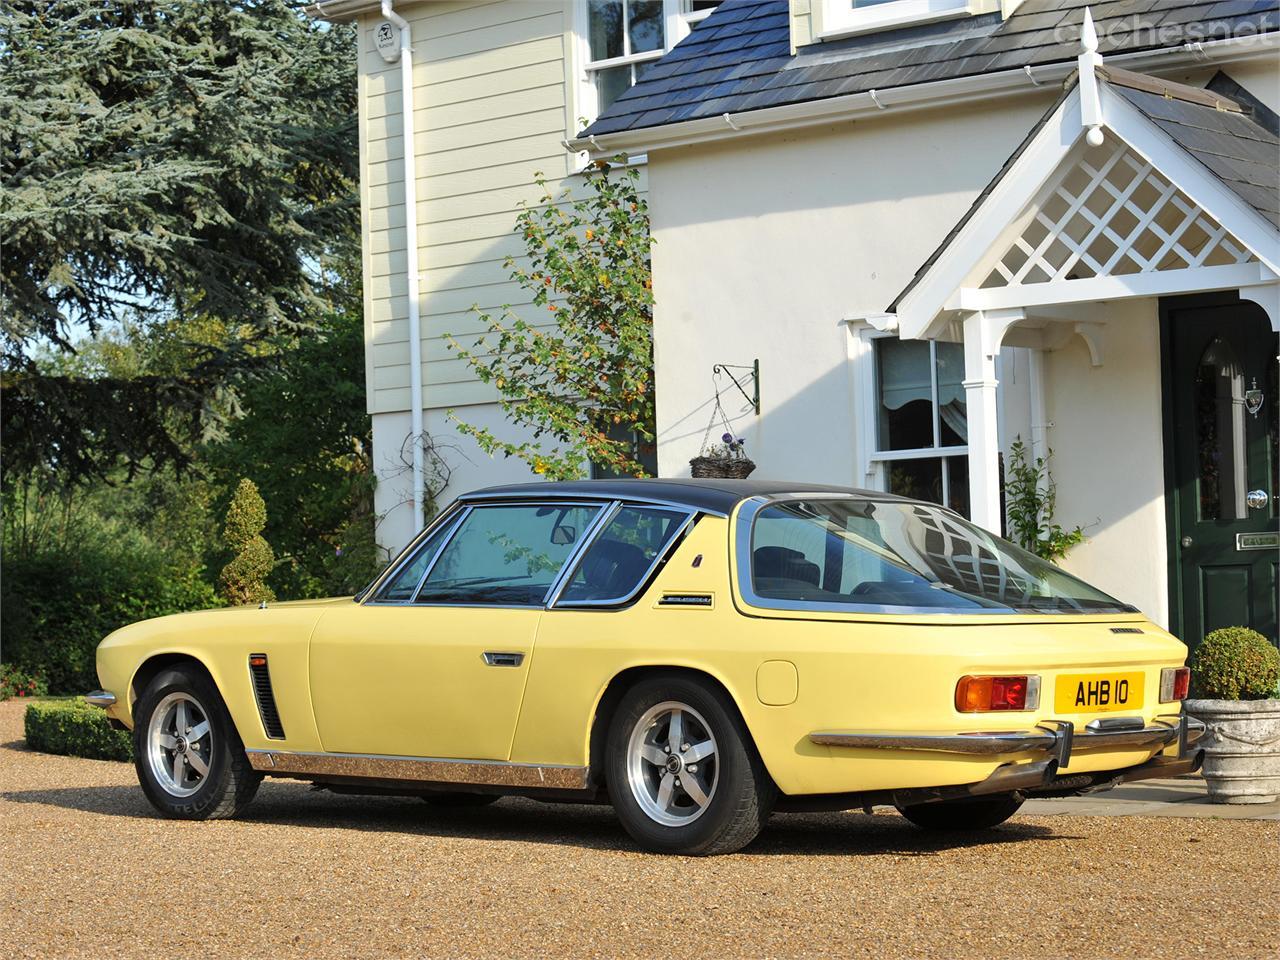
x: 1058, y: 739
x: 100, y: 698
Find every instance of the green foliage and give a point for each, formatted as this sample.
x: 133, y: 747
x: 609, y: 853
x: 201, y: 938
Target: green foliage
x: 15, y: 682
x: 1235, y: 663
x: 1030, y: 501
x: 244, y: 579
x: 78, y: 564
x: 306, y: 438
x: 190, y: 163
x: 75, y: 729
x: 582, y: 384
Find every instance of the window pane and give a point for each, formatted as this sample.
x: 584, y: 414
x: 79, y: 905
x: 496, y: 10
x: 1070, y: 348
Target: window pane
x: 646, y: 25
x: 699, y: 5
x: 506, y: 555
x: 405, y: 582
x: 958, y: 485
x: 918, y: 479
x: 951, y: 410
x: 886, y: 554
x: 610, y: 85
x: 905, y: 386
x: 612, y: 567
x: 604, y: 28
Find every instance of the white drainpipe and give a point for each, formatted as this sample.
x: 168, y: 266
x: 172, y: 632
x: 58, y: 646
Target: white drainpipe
x: 411, y: 255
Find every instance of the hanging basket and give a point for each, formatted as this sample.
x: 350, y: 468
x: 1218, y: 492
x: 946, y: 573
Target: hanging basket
x: 734, y: 468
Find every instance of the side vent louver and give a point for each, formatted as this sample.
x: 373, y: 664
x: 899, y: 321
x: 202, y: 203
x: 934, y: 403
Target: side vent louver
x: 262, y: 692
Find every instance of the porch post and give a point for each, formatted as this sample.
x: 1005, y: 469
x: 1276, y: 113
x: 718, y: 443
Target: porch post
x: 983, y: 332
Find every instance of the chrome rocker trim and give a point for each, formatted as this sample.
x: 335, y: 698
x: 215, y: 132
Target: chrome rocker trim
x: 1058, y: 738
x: 100, y: 698
x: 419, y: 769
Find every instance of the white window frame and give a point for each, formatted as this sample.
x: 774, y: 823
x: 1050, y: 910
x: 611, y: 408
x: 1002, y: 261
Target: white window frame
x: 841, y: 19
x: 872, y: 462
x: 678, y: 20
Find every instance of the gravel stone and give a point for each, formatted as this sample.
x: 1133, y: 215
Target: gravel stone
x: 88, y: 870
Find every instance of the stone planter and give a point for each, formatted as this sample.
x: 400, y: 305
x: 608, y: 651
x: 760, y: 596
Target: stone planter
x: 1241, y: 748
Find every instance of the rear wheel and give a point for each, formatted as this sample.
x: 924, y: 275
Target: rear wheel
x: 980, y: 813
x: 190, y: 760
x: 683, y: 775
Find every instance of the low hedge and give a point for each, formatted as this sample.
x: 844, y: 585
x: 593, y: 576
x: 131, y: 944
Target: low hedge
x: 75, y: 729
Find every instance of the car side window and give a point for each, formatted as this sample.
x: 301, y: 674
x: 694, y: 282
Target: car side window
x: 507, y: 555
x: 401, y: 587
x: 616, y: 562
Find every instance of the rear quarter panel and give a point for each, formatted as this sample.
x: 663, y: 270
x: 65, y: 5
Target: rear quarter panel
x: 874, y: 674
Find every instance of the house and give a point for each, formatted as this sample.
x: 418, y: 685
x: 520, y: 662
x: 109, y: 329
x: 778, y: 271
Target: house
x: 916, y: 231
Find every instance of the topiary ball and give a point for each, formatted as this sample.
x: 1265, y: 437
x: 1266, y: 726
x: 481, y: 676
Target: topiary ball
x: 1235, y: 663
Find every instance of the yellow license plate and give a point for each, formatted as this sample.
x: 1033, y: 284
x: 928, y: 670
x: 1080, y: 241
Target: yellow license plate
x: 1098, y: 692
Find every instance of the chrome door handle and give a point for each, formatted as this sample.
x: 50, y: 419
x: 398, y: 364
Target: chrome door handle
x: 1256, y: 499
x: 503, y: 659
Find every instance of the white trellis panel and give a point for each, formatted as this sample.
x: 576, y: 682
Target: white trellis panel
x: 1111, y: 214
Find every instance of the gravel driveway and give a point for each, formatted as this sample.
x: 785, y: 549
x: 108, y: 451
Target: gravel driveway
x: 87, y: 870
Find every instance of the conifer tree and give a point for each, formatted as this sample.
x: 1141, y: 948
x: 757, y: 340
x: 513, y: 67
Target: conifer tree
x: 244, y: 579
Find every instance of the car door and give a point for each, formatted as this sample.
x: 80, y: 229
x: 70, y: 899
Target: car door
x: 434, y: 665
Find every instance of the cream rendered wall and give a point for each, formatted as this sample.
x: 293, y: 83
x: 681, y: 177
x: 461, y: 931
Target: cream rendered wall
x: 493, y: 104
x: 1108, y: 456
x: 761, y: 247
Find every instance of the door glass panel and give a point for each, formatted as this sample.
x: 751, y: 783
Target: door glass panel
x: 507, y: 555
x: 1272, y: 414
x: 958, y: 485
x: 615, y: 564
x: 406, y: 581
x: 1220, y: 433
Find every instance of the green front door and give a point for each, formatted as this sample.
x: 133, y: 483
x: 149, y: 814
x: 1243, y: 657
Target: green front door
x: 1221, y: 390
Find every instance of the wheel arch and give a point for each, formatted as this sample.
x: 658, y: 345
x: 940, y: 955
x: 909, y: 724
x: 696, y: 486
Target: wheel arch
x: 152, y: 666
x: 622, y: 681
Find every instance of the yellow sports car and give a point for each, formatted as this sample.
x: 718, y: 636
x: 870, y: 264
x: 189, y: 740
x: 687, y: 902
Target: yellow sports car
x: 699, y: 653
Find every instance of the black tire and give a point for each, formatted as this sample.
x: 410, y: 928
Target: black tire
x: 459, y: 800
x: 980, y: 813
x: 741, y: 796
x: 229, y: 783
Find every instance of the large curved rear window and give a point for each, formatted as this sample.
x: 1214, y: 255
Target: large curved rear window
x: 897, y: 556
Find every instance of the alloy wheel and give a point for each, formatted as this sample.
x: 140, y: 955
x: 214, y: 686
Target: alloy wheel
x: 179, y: 744
x: 672, y: 765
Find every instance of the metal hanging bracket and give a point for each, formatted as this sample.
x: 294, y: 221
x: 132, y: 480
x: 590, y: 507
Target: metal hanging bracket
x: 727, y: 369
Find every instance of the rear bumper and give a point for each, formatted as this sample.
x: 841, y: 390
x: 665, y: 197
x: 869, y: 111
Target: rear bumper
x: 1057, y: 739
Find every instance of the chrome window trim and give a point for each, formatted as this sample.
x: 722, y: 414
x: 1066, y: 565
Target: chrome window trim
x: 447, y: 521
x: 677, y: 535
x: 612, y: 498
x: 466, y: 509
x: 447, y: 516
x: 747, y: 513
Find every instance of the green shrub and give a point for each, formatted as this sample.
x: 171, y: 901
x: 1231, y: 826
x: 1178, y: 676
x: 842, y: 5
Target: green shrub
x: 244, y: 579
x: 57, y: 603
x: 15, y: 682
x: 74, y: 728
x: 1235, y: 663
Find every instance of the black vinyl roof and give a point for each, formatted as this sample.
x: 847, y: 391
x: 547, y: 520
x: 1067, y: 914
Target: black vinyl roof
x: 739, y: 58
x: 715, y: 495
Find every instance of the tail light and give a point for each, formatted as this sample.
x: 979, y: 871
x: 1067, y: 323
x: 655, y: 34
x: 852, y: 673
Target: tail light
x: 984, y: 694
x: 1174, y: 683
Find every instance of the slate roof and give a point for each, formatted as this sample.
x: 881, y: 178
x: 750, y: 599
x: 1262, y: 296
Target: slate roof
x: 1236, y: 149
x: 739, y: 58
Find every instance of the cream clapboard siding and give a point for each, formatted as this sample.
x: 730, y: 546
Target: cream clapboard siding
x: 492, y: 107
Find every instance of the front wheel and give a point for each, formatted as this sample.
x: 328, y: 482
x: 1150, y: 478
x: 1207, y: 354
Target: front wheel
x: 682, y: 773
x: 980, y: 813
x: 190, y: 760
